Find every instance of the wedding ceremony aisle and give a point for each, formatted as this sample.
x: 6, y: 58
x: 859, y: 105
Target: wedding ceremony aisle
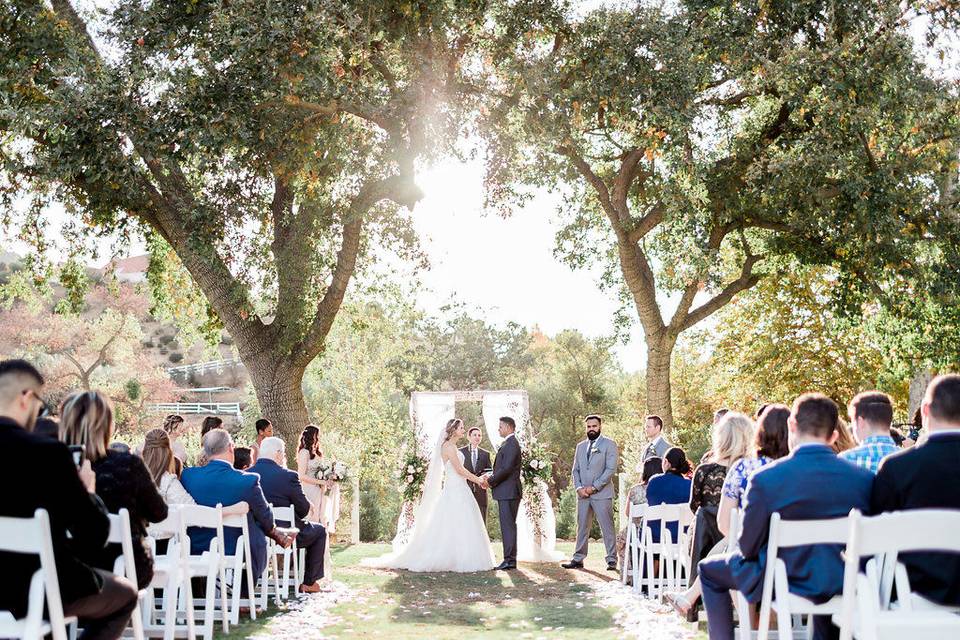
x: 535, y: 601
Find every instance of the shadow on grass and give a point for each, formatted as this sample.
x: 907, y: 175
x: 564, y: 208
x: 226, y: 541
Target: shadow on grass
x: 533, y: 596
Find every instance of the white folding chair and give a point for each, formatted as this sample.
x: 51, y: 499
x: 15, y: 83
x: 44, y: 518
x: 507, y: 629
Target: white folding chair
x: 171, y: 574
x: 671, y: 561
x: 240, y: 566
x: 209, y: 564
x: 776, y: 584
x: 31, y: 536
x: 633, y: 551
x: 125, y: 564
x: 744, y: 630
x: 867, y: 612
x: 290, y: 555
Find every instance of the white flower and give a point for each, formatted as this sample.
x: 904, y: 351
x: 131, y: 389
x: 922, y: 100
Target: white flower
x: 410, y: 468
x: 409, y: 479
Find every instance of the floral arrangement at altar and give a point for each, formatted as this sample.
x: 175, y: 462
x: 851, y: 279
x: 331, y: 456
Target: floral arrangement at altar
x: 535, y: 470
x: 412, y: 474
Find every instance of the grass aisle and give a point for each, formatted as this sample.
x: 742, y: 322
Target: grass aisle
x: 536, y: 601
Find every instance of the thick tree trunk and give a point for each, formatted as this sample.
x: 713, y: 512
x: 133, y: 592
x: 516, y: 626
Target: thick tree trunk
x: 280, y: 394
x: 659, y: 352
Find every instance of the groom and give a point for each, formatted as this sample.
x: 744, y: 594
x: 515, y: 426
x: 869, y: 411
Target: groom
x: 505, y: 481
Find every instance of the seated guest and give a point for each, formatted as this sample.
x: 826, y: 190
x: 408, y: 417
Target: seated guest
x: 927, y: 476
x: 47, y: 427
x: 637, y: 494
x: 175, y: 427
x: 282, y: 488
x: 732, y: 440
x: 165, y: 469
x: 123, y: 482
x: 39, y: 473
x: 670, y: 487
x: 871, y: 414
x: 242, y: 458
x: 218, y: 482
x: 264, y: 430
x: 809, y: 484
x: 771, y: 444
x: 120, y: 447
x: 209, y: 424
x: 844, y: 441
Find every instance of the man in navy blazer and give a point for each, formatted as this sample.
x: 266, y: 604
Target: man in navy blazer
x: 282, y: 488
x: 217, y: 482
x: 811, y: 483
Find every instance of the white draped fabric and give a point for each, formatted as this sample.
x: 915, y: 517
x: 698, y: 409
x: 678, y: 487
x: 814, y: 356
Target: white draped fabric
x: 516, y: 404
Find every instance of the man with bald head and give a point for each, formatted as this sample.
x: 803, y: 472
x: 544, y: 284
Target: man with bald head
x: 282, y: 488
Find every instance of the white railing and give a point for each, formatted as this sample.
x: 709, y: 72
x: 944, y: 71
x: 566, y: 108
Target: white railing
x: 203, y: 367
x: 222, y: 408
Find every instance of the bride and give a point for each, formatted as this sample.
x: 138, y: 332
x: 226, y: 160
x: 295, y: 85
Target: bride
x: 448, y: 533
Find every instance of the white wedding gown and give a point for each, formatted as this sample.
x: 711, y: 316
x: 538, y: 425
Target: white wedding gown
x: 451, y: 537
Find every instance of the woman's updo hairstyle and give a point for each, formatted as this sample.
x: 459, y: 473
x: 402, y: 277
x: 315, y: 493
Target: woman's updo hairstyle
x: 451, y: 428
x: 678, y: 461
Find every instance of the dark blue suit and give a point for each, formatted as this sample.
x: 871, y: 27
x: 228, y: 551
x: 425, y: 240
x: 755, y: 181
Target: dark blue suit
x: 667, y: 488
x: 282, y: 488
x: 812, y: 483
x: 218, y: 482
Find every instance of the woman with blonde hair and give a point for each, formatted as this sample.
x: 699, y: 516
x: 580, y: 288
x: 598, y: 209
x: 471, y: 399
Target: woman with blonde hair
x: 123, y: 481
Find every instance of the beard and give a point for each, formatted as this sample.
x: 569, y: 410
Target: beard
x: 593, y: 435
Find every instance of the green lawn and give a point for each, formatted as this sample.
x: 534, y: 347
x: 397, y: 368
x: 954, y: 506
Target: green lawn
x: 535, y: 601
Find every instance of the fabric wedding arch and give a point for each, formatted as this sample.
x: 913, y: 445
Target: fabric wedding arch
x: 429, y: 413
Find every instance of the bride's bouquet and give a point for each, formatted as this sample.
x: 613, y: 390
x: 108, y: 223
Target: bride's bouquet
x: 412, y: 474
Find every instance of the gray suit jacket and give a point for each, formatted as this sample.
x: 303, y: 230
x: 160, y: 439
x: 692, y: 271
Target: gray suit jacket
x: 657, y: 450
x: 598, y: 471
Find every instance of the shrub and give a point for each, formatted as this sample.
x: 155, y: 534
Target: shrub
x: 175, y: 357
x: 166, y: 339
x: 567, y: 514
x: 148, y: 343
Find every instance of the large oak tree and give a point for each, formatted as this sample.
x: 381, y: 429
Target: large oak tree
x: 271, y: 145
x: 705, y: 138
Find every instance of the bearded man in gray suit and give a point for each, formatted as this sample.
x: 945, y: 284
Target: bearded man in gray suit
x: 594, y: 463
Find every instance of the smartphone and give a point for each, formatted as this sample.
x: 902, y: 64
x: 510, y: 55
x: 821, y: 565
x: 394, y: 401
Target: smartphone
x: 76, y: 451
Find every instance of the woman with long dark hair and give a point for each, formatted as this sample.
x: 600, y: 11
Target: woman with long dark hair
x: 670, y: 487
x: 308, y: 461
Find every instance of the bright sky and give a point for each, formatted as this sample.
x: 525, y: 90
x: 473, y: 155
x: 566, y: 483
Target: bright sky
x: 504, y: 268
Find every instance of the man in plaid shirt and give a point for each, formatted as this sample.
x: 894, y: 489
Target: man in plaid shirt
x: 871, y: 415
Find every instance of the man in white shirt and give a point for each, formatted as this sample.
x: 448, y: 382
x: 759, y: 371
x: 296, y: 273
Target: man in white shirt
x: 658, y: 444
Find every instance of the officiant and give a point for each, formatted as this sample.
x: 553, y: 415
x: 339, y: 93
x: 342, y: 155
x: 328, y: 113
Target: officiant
x: 477, y: 461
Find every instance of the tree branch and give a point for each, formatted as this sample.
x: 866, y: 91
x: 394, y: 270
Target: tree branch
x: 399, y: 189
x: 746, y: 280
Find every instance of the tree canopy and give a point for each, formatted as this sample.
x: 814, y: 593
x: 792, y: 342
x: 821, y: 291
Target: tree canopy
x: 702, y: 140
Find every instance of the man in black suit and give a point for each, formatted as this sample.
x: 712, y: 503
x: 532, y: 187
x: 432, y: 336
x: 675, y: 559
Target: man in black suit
x: 927, y: 476
x: 477, y: 462
x: 282, y: 488
x: 505, y: 481
x: 40, y: 474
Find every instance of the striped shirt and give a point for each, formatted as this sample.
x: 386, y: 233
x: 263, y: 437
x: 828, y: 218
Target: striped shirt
x: 871, y: 452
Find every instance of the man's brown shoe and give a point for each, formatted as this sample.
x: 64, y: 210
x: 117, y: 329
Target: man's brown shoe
x: 310, y: 588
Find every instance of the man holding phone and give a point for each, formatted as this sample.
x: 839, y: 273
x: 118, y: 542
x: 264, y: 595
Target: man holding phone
x: 47, y: 477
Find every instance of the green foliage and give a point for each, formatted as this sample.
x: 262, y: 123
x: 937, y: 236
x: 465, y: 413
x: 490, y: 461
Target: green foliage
x: 566, y: 513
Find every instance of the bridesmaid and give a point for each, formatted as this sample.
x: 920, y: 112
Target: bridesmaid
x: 308, y: 459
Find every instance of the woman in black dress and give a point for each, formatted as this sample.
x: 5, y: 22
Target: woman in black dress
x: 123, y: 481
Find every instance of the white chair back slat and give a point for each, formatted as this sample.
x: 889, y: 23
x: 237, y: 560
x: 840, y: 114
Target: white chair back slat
x: 32, y: 536
x: 637, y: 510
x: 867, y: 611
x: 802, y: 533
